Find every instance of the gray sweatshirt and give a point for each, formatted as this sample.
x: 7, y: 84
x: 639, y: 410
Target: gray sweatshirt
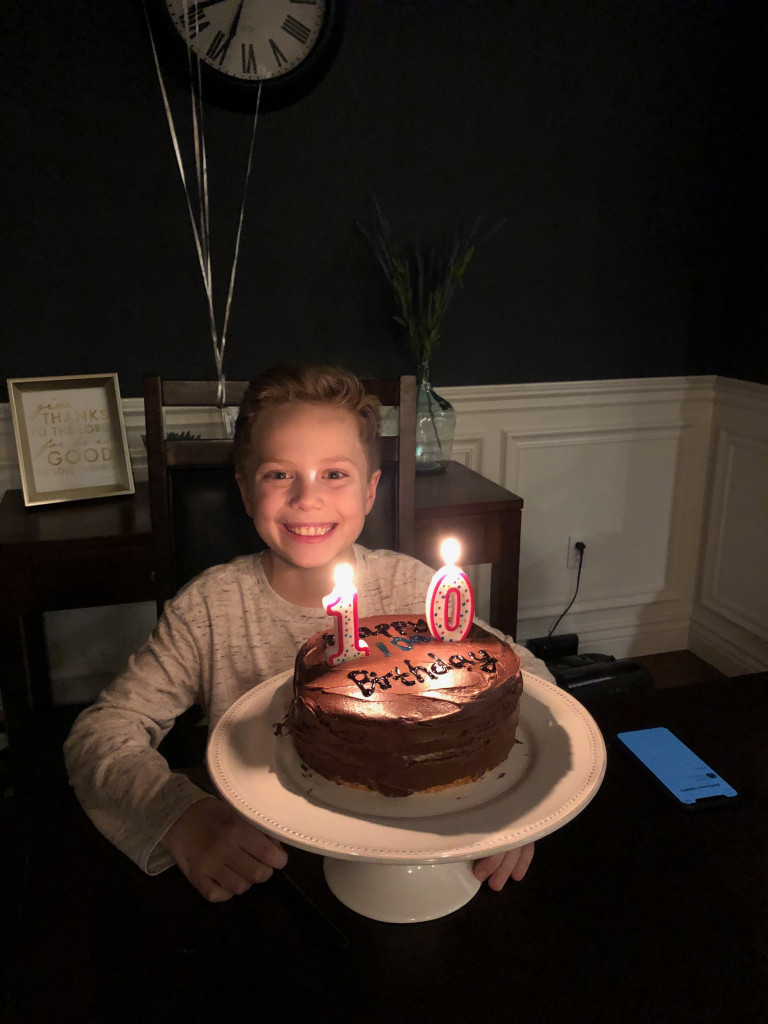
x: 221, y: 635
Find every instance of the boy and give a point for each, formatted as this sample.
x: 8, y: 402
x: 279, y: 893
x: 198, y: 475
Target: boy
x: 306, y: 462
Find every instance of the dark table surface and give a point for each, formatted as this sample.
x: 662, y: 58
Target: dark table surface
x: 636, y: 911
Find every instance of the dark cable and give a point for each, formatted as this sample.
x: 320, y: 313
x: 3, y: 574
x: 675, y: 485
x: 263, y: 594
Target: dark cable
x: 580, y: 548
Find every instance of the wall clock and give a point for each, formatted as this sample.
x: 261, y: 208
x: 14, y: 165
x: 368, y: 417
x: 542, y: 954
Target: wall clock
x: 283, y: 46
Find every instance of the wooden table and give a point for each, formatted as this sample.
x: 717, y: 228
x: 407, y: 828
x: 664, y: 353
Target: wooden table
x: 636, y: 911
x: 485, y: 519
x: 77, y: 555
x: 98, y: 552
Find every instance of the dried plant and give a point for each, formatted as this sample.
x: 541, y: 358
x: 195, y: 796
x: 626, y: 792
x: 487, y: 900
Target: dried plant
x: 423, y: 281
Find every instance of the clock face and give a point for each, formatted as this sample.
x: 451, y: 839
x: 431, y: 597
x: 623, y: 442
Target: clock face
x: 252, y: 41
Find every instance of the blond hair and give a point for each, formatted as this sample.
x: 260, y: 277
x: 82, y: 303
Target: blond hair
x: 321, y: 385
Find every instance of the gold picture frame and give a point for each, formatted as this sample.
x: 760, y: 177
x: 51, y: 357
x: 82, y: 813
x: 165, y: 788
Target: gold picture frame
x: 70, y: 437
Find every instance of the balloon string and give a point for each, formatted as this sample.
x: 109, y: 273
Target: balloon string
x: 236, y: 254
x: 201, y: 229
x: 201, y: 165
x: 175, y: 141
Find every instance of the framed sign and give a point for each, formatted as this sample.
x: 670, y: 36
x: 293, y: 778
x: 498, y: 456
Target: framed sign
x: 70, y: 437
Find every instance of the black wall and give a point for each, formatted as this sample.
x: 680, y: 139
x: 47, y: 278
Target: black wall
x: 623, y: 140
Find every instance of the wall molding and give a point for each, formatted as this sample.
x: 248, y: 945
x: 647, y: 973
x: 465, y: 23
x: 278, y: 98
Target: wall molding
x: 735, y: 606
x: 729, y: 623
x: 679, y: 416
x: 468, y: 450
x: 474, y: 398
x: 725, y: 645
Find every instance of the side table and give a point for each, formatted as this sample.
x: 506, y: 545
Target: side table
x: 485, y: 519
x: 74, y: 555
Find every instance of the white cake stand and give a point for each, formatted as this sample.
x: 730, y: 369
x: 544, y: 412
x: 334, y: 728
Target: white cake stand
x: 405, y: 859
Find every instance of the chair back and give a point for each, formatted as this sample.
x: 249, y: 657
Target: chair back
x: 197, y: 514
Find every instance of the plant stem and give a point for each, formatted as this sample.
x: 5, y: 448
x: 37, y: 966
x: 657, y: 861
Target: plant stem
x: 427, y: 388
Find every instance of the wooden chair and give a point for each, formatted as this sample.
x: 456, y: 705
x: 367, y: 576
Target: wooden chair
x: 197, y: 515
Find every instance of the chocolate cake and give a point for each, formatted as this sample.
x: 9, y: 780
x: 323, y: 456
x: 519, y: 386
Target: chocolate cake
x: 414, y: 715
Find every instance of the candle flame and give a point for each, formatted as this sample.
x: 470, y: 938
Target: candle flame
x: 450, y: 551
x: 343, y: 575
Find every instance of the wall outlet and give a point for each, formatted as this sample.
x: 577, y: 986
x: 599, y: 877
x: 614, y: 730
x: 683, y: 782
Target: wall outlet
x: 572, y: 557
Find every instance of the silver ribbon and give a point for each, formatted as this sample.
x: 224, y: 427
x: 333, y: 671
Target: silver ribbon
x: 201, y: 220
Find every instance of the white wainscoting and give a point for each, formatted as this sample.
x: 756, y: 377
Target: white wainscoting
x: 620, y: 465
x: 729, y: 626
x: 664, y: 479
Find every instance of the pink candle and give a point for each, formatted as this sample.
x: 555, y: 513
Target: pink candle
x: 450, y: 601
x: 341, y: 604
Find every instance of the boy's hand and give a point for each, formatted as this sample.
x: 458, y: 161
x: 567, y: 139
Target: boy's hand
x: 221, y: 854
x: 502, y: 866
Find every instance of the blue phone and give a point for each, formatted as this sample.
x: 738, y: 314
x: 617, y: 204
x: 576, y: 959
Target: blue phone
x: 682, y: 773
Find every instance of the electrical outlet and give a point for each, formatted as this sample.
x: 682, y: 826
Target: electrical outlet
x: 572, y: 557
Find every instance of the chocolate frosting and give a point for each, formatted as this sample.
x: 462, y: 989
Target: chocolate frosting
x: 413, y: 715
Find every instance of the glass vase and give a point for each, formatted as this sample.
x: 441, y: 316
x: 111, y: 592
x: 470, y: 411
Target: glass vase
x: 435, y: 426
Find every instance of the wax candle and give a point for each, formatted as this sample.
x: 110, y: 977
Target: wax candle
x: 341, y: 605
x: 450, y: 601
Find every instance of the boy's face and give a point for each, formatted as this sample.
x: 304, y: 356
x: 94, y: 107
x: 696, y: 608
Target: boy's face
x: 306, y: 485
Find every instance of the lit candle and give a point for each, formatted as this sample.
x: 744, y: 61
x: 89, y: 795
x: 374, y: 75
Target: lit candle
x: 450, y: 601
x: 341, y: 604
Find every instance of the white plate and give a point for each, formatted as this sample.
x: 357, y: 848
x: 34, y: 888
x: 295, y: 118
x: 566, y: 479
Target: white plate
x: 552, y: 775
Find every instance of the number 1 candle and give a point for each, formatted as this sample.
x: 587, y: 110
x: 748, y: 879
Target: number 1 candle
x: 450, y: 601
x: 341, y: 605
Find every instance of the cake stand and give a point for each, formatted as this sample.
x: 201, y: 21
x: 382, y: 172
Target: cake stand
x: 405, y: 859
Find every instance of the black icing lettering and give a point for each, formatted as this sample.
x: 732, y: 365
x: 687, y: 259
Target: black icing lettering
x: 383, y: 681
x: 364, y: 681
x: 420, y: 625
x: 457, y: 661
x: 365, y: 632
x: 401, y: 627
x: 488, y: 664
x: 415, y: 670
x: 438, y: 665
x: 383, y: 629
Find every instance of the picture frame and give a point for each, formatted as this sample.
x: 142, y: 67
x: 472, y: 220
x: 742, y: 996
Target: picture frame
x: 70, y: 437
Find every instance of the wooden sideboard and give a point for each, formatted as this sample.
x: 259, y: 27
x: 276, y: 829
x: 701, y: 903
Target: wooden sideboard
x: 485, y: 519
x: 98, y: 552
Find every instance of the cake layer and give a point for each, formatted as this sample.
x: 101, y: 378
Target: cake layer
x: 413, y: 715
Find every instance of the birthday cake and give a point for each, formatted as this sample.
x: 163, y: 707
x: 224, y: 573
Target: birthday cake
x: 415, y: 714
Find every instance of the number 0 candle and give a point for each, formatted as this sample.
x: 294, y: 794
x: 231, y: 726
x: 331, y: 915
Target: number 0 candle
x: 450, y: 601
x: 341, y: 605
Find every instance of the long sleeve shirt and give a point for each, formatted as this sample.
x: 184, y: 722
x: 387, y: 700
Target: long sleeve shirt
x: 224, y: 633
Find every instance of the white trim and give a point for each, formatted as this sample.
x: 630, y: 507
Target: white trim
x: 492, y: 397
x: 726, y: 646
x: 730, y: 443
x: 468, y: 450
x: 741, y: 394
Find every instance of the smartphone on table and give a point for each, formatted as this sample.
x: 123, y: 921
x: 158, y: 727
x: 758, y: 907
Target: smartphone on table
x: 683, y: 774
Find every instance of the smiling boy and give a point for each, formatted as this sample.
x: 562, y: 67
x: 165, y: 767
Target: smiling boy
x: 306, y: 461
x: 308, y: 486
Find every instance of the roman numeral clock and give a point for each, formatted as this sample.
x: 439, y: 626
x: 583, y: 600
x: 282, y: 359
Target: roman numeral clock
x: 283, y: 46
